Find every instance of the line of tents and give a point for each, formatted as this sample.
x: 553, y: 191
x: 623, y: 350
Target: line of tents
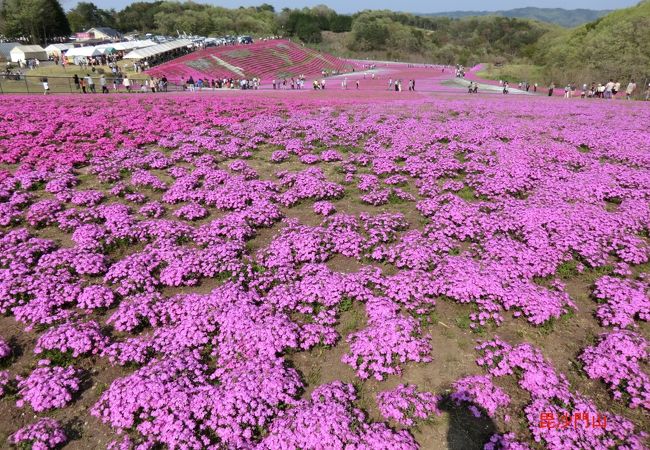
x: 136, y: 50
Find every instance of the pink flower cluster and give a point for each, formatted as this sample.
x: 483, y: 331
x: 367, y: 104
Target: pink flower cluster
x: 617, y: 359
x: 5, y: 350
x: 83, y: 338
x: 44, y: 434
x: 623, y: 301
x: 480, y: 392
x: 48, y: 387
x: 389, y: 341
x: 330, y: 420
x: 550, y: 393
x: 405, y: 404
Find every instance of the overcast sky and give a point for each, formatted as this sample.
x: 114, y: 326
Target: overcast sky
x: 420, y: 6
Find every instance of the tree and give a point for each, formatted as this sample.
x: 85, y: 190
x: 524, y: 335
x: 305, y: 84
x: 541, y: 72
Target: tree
x: 138, y: 16
x: 87, y: 15
x: 370, y: 32
x: 265, y: 7
x: 38, y: 21
x: 308, y: 31
x: 303, y: 25
x: 340, y: 23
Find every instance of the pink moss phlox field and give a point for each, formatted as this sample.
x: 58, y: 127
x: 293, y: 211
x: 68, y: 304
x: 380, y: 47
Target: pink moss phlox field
x: 329, y: 419
x: 405, y: 404
x: 82, y: 338
x: 480, y: 391
x: 623, y: 301
x: 5, y: 349
x: 44, y: 434
x: 48, y: 387
x: 550, y: 392
x: 617, y: 359
x: 505, y: 441
x: 200, y: 249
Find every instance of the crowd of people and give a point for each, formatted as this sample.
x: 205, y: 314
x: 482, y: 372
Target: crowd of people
x: 222, y: 83
x: 522, y: 86
x: 30, y: 63
x: 608, y: 90
x: 87, y: 84
x: 291, y: 83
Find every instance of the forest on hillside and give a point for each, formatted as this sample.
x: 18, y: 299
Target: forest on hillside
x: 558, y: 16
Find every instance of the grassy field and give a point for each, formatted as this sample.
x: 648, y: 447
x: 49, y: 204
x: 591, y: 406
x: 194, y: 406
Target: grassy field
x: 514, y: 73
x: 60, y: 78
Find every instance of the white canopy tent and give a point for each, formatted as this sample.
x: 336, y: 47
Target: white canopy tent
x: 124, y: 46
x: 158, y: 49
x: 130, y: 45
x: 104, y: 50
x: 82, y: 52
x: 57, y: 49
x: 25, y: 52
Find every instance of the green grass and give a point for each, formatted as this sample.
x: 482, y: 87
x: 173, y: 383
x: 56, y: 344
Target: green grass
x: 60, y: 78
x: 428, y: 318
x: 463, y: 322
x: 567, y: 269
x: 58, y: 358
x: 345, y: 304
x: 467, y: 193
x: 514, y: 73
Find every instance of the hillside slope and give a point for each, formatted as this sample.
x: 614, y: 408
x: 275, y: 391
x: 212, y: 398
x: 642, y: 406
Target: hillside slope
x: 613, y: 46
x: 268, y: 59
x: 564, y: 17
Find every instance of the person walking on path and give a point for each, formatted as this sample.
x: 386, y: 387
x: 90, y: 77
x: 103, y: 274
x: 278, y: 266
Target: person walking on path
x: 102, y: 83
x: 90, y: 83
x: 127, y: 83
x: 609, y: 87
x: 75, y: 79
x: 631, y: 87
x: 551, y: 88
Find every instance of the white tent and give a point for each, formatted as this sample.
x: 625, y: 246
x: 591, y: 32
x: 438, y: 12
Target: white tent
x: 5, y: 49
x: 158, y: 49
x: 57, y: 49
x: 124, y: 46
x: 82, y: 52
x: 105, y: 49
x: 130, y: 45
x: 25, y: 52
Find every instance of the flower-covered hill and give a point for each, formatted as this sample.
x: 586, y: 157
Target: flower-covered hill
x: 265, y: 59
x: 262, y: 272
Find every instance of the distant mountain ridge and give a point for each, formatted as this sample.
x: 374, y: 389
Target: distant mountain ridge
x: 564, y: 17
